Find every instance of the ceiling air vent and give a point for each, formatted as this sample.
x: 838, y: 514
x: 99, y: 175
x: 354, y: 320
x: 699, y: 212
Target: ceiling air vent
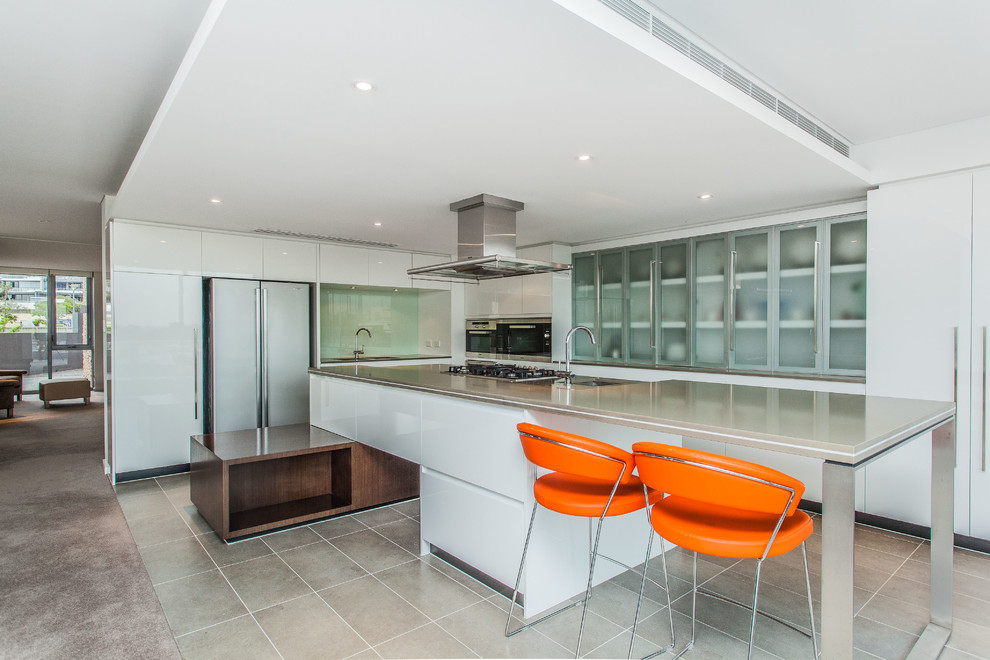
x: 647, y: 20
x: 631, y: 11
x: 321, y: 237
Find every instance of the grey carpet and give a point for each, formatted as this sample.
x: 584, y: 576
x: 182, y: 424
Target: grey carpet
x: 72, y: 583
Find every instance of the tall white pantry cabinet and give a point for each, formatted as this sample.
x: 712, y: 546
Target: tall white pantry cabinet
x: 928, y: 303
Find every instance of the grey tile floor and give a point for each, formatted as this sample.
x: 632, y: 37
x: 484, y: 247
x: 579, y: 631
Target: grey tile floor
x: 355, y: 587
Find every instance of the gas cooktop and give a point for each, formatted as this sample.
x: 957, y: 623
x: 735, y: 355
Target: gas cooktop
x: 505, y: 372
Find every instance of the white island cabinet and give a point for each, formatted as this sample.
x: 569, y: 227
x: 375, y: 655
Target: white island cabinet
x: 476, y: 484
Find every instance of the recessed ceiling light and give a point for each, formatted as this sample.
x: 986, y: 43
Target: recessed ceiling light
x: 363, y: 86
x: 378, y: 224
x: 584, y: 157
x: 216, y: 200
x: 705, y: 196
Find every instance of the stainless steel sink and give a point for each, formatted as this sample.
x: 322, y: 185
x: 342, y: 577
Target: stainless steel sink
x: 596, y: 382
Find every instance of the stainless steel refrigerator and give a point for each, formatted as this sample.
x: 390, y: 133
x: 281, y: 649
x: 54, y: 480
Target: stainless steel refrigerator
x: 257, y: 351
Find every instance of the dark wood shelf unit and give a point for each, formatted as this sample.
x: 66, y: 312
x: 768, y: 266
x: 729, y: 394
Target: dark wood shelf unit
x: 248, y: 482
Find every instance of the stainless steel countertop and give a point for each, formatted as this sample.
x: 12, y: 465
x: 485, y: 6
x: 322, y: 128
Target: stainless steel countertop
x: 844, y: 428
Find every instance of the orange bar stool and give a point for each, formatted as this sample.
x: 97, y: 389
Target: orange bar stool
x: 590, y: 479
x: 725, y: 507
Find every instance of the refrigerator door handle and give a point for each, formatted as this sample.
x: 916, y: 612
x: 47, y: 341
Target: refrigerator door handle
x: 195, y: 373
x: 264, y: 357
x: 257, y: 355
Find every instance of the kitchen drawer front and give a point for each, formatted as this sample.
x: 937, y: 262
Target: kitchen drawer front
x: 477, y: 443
x: 481, y: 528
x: 389, y: 420
x: 333, y: 405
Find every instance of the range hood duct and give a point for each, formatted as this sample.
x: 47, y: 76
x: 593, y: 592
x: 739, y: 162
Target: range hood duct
x: 486, y: 244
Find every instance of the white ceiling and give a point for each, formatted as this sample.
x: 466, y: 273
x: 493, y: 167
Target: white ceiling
x: 494, y: 96
x: 79, y: 85
x: 871, y: 69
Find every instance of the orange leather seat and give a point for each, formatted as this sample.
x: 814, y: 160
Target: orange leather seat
x: 725, y: 507
x: 588, y: 478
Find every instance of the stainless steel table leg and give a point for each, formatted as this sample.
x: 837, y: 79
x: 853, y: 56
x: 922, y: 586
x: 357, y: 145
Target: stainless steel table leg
x: 936, y: 634
x: 838, y: 559
x: 943, y: 465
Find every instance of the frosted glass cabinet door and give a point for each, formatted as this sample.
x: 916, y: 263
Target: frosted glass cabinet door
x: 709, y: 301
x: 673, y: 304
x: 846, y: 332
x: 749, y: 289
x: 611, y: 270
x: 798, y: 287
x: 641, y: 262
x: 585, y: 296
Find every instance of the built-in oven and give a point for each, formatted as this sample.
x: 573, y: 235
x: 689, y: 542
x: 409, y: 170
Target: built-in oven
x: 524, y: 338
x: 480, y: 338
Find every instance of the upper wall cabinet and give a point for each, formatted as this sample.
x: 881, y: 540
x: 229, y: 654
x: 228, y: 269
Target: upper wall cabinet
x: 233, y: 255
x: 289, y: 261
x: 389, y: 268
x: 788, y: 299
x: 420, y: 259
x: 340, y: 264
x: 155, y: 249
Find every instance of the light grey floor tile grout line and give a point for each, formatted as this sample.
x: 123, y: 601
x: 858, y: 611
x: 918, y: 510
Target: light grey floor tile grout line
x: 880, y: 588
x: 420, y: 627
x: 317, y: 594
x: 237, y: 595
x: 212, y: 625
x: 887, y: 625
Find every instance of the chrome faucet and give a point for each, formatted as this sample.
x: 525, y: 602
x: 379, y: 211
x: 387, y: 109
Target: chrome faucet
x: 569, y: 350
x: 359, y: 351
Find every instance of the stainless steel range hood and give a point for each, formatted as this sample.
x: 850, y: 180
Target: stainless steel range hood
x: 486, y: 244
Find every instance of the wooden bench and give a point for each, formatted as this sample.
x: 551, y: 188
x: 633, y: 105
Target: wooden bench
x: 58, y: 389
x: 253, y: 481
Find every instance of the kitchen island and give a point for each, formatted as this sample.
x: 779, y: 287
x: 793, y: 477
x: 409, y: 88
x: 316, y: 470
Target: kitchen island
x: 477, y: 485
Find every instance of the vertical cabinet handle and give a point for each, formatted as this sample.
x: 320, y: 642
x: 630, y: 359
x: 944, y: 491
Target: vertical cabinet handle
x: 653, y: 303
x: 732, y: 301
x: 816, y: 315
x: 195, y: 373
x: 983, y: 397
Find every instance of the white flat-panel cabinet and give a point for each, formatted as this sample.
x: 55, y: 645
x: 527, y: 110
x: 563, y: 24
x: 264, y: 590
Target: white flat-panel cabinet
x: 157, y: 369
x: 156, y: 249
x: 475, y: 442
x: 333, y: 405
x: 389, y: 268
x: 422, y: 259
x: 389, y: 420
x: 232, y: 255
x: 290, y: 261
x: 481, y: 299
x: 918, y: 334
x: 340, y: 264
x: 980, y: 474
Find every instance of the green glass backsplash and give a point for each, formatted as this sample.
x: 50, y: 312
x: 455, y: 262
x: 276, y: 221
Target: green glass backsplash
x: 391, y: 316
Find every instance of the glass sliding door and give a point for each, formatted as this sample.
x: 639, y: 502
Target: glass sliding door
x: 710, y: 301
x: 46, y: 326
x: 749, y: 291
x: 799, y: 260
x: 71, y: 316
